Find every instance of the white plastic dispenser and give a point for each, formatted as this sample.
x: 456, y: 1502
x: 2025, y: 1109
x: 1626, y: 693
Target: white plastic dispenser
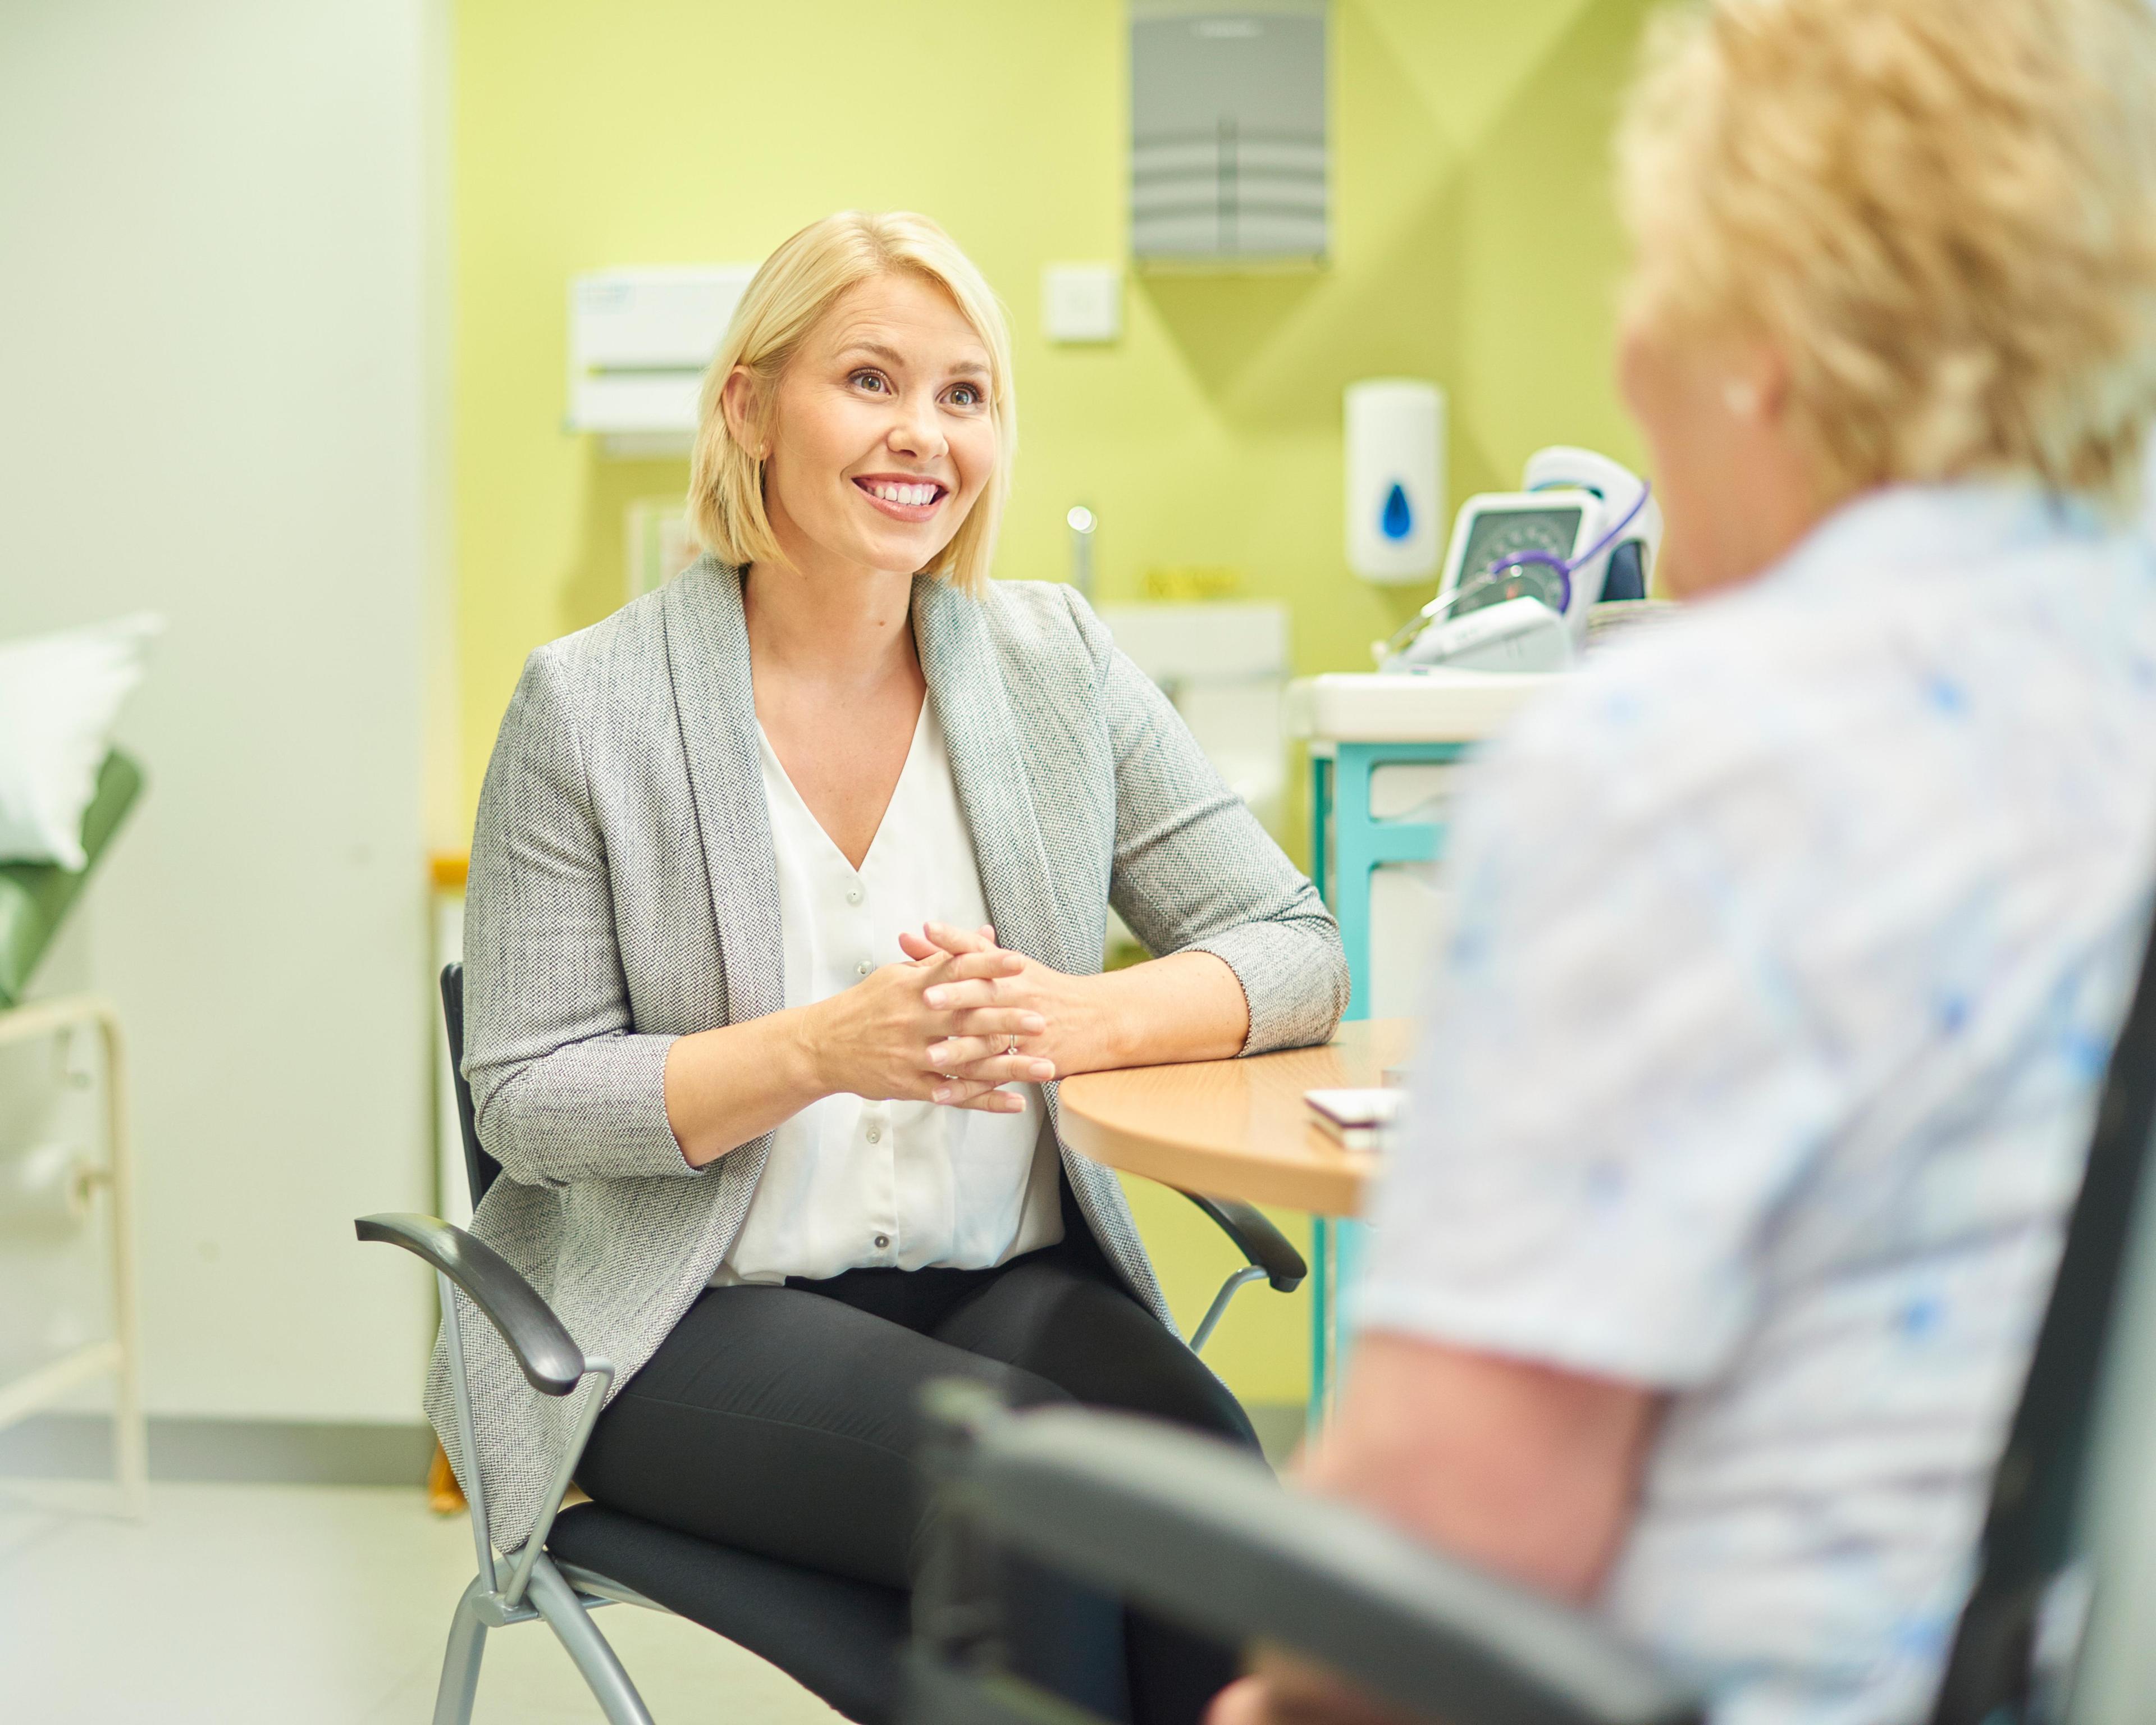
x: 640, y: 340
x: 1395, y: 447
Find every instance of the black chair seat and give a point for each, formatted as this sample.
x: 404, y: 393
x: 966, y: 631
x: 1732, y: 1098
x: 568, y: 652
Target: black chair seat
x: 843, y: 1640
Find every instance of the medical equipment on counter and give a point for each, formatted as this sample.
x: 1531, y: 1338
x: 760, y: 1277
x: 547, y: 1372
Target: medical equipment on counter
x: 1636, y: 539
x: 1524, y: 567
x: 1523, y: 634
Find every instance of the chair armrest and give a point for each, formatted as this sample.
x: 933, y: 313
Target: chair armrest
x: 1265, y: 1246
x: 1207, y: 1536
x: 551, y: 1360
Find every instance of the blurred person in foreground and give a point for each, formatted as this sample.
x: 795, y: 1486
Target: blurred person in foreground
x: 1791, y: 940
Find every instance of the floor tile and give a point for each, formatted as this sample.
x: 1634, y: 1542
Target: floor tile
x: 264, y: 1605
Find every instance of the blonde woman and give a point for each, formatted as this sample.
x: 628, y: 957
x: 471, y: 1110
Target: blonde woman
x: 787, y: 911
x: 1791, y: 943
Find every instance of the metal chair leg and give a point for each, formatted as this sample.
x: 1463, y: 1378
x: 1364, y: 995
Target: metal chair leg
x: 453, y: 1700
x: 131, y: 1449
x: 565, y: 1614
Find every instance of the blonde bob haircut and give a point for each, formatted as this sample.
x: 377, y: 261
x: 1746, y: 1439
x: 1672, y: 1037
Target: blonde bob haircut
x: 1940, y: 213
x: 795, y: 287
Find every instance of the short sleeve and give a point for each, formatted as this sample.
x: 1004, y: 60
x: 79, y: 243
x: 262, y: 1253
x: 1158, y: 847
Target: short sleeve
x: 1618, y: 1085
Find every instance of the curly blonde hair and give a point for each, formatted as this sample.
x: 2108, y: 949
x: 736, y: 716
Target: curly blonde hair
x: 1941, y: 214
x: 796, y: 286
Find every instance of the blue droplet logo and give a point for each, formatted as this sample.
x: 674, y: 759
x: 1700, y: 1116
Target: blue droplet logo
x: 1397, y: 520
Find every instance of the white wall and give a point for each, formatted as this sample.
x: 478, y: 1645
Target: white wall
x: 219, y: 370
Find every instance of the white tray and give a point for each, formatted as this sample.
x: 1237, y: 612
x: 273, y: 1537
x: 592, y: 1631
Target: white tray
x: 1432, y: 706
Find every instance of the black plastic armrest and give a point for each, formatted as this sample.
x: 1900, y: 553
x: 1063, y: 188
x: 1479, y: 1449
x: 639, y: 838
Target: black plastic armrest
x: 1256, y: 1238
x: 1207, y: 1536
x: 548, y: 1354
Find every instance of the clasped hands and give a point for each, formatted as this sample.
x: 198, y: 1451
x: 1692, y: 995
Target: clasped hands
x: 963, y: 1017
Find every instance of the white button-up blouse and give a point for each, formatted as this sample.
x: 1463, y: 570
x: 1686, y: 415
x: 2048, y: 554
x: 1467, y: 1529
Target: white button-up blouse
x: 850, y: 1183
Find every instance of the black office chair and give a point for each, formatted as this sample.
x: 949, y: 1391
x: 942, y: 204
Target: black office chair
x: 843, y: 1640
x: 1201, y: 1537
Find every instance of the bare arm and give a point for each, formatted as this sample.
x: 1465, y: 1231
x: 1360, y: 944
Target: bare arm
x: 1531, y: 1471
x: 1528, y: 1469
x: 728, y: 1086
x: 1188, y: 1006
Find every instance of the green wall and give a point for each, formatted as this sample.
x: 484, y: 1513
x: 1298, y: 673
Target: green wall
x: 1474, y: 243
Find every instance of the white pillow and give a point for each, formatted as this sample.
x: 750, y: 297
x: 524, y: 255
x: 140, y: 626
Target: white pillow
x: 60, y: 695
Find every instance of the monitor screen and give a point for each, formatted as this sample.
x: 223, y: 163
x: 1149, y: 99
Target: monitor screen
x: 1496, y: 534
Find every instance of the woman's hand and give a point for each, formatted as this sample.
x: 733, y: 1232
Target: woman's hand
x: 978, y: 983
x: 885, y: 1037
x: 1188, y: 1006
x: 1285, y: 1692
x: 728, y: 1085
x: 960, y: 1021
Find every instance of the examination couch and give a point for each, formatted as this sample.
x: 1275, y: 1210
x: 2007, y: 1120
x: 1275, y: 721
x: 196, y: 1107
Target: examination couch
x: 1207, y: 1538
x: 36, y: 899
x: 843, y: 1639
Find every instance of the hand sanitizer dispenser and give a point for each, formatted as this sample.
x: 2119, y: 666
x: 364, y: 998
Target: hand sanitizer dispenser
x: 1395, y: 479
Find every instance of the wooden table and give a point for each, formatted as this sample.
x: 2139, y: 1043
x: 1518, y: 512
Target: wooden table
x: 1238, y: 1128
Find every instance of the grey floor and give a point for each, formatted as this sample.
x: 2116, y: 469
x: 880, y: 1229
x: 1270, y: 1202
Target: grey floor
x: 246, y: 1604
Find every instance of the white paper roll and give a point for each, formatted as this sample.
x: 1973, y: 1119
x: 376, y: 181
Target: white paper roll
x: 44, y: 1190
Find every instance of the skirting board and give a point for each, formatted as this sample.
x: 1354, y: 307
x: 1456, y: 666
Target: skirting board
x: 261, y: 1451
x: 303, y: 1453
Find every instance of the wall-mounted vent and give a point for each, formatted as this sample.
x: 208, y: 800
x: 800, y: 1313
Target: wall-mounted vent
x: 1228, y: 139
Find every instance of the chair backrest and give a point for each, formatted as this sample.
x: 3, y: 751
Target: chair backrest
x: 2024, y: 1614
x: 480, y: 1167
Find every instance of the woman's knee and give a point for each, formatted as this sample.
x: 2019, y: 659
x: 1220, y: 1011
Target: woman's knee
x: 781, y: 1422
x: 1099, y: 1345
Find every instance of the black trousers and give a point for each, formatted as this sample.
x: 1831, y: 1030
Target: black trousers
x: 784, y: 1421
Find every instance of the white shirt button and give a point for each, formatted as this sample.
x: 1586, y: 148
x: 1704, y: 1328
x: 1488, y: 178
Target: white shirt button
x: 882, y: 1240
x: 853, y: 894
x: 864, y: 966
x: 875, y: 1135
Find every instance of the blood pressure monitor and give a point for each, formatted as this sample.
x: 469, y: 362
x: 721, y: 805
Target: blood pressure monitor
x: 1524, y: 567
x: 1511, y: 587
x: 1495, y: 528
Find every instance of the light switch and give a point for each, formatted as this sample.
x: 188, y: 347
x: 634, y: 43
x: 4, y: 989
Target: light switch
x: 1082, y: 302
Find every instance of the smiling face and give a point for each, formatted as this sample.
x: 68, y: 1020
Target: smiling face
x: 879, y: 436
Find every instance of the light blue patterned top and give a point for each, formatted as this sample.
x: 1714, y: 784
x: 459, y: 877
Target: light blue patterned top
x: 1791, y: 942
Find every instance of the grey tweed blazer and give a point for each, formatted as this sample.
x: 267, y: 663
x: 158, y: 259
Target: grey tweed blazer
x: 624, y: 892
